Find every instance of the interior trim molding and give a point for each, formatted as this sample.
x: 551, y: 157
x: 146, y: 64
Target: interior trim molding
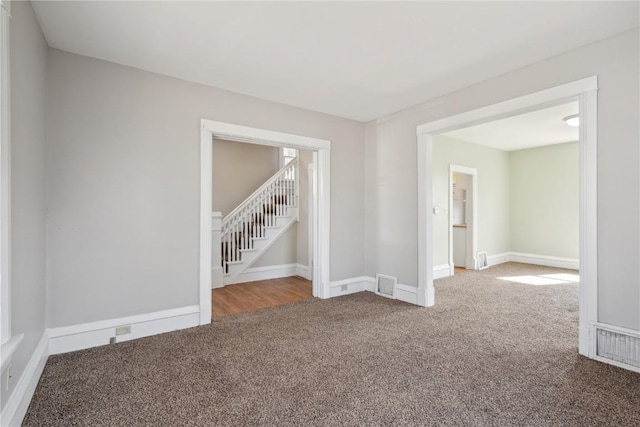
x: 548, y: 261
x: 497, y: 259
x: 268, y: 272
x: 354, y: 285
x: 407, y: 293
x: 233, y: 132
x: 94, y: 334
x: 18, y: 403
x: 444, y: 270
x: 519, y: 105
x: 536, y: 259
x: 440, y: 271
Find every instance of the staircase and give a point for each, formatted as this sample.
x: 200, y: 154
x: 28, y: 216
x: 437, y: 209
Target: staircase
x: 258, y: 222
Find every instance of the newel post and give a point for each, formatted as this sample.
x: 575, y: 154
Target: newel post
x: 216, y: 253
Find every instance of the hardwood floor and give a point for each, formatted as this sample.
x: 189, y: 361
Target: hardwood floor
x: 251, y: 296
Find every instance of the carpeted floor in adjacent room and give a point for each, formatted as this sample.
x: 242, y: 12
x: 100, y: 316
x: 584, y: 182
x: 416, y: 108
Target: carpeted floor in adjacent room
x: 491, y: 352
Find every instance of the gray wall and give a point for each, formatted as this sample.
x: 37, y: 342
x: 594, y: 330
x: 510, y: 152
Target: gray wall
x: 123, y: 234
x: 28, y: 210
x: 391, y: 169
x: 493, y: 194
x: 283, y: 251
x: 544, y: 200
x: 238, y: 170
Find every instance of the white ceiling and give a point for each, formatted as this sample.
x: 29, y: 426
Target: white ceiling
x: 358, y: 60
x: 535, y: 129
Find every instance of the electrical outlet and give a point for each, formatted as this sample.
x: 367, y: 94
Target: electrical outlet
x: 123, y: 330
x: 343, y: 287
x: 112, y: 340
x: 9, y: 376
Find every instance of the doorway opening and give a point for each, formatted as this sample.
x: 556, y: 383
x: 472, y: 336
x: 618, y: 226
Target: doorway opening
x: 211, y: 269
x: 263, y: 196
x: 463, y: 182
x: 585, y: 93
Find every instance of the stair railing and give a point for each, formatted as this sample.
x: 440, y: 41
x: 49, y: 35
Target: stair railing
x: 258, y: 211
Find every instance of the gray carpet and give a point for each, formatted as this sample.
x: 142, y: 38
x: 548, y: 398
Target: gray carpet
x: 489, y: 353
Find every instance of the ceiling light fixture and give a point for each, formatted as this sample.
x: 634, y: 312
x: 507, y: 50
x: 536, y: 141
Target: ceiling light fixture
x: 572, y: 120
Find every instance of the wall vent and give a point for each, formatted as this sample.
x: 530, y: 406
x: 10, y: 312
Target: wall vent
x: 483, y: 261
x: 386, y: 285
x: 618, y: 345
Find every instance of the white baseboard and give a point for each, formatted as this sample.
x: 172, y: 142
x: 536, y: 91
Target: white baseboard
x: 303, y: 271
x: 497, y: 259
x: 440, y: 271
x: 18, y: 403
x: 444, y: 270
x: 548, y: 261
x: 545, y: 260
x: 94, y: 334
x: 352, y: 285
x: 366, y: 283
x: 407, y: 293
x: 271, y: 272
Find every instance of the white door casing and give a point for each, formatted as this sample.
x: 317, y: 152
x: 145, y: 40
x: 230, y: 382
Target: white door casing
x: 321, y: 211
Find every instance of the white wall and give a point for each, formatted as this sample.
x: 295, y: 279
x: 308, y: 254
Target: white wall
x: 391, y: 169
x: 544, y: 200
x: 493, y: 194
x: 28, y: 210
x: 123, y: 234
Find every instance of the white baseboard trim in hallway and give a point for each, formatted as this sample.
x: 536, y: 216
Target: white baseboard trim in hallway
x: 18, y: 403
x: 303, y: 271
x: 444, y: 270
x: 407, y: 293
x: 545, y: 260
x: 268, y: 272
x: 78, y: 337
x: 548, y: 261
x: 497, y: 259
x: 353, y: 285
x: 440, y: 271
